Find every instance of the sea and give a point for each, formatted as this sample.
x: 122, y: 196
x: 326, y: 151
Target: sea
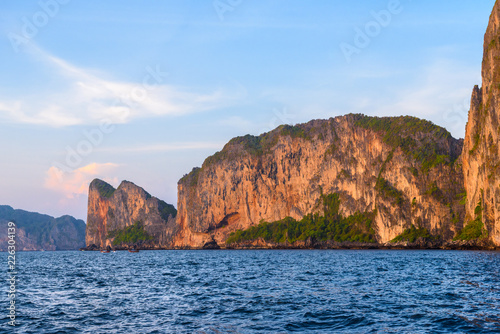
x: 255, y: 291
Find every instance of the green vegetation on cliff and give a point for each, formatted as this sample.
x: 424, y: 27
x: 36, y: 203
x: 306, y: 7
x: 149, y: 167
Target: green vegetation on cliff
x: 417, y: 138
x: 435, y: 192
x: 331, y: 226
x: 259, y: 145
x: 385, y: 188
x: 294, y: 131
x: 254, y: 145
x: 105, y: 189
x: 166, y: 210
x: 192, y: 177
x: 413, y: 234
x: 130, y: 235
x: 474, y: 229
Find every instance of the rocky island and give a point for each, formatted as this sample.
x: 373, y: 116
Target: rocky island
x: 127, y: 217
x: 347, y: 182
x: 36, y: 232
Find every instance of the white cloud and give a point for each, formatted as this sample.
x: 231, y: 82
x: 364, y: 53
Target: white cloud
x: 75, y: 183
x: 86, y: 97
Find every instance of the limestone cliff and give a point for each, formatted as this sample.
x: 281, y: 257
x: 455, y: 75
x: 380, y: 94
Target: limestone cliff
x: 481, y: 160
x: 113, y: 214
x: 402, y: 169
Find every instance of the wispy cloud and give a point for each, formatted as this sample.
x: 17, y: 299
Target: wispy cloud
x: 164, y: 147
x: 441, y: 93
x: 438, y: 90
x: 76, y: 183
x: 87, y: 97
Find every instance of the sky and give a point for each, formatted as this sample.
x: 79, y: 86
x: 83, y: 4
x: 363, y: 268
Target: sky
x: 146, y: 90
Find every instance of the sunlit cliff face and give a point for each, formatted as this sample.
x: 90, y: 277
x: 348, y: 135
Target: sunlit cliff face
x: 481, y: 154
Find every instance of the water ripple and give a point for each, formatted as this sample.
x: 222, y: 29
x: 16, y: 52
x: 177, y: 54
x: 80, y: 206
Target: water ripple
x: 258, y: 292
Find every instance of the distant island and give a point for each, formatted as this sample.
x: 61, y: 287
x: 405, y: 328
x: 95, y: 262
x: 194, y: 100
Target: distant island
x: 347, y: 182
x: 35, y: 231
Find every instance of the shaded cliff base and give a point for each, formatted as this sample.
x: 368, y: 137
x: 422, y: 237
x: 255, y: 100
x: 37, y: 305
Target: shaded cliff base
x: 419, y: 244
x: 141, y: 245
x: 310, y: 244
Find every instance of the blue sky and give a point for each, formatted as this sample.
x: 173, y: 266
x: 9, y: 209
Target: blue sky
x: 146, y: 90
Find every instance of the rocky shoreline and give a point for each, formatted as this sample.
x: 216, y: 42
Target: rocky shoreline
x: 483, y: 245
x: 417, y: 245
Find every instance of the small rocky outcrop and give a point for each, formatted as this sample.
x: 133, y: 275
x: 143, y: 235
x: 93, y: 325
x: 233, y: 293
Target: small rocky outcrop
x: 127, y: 217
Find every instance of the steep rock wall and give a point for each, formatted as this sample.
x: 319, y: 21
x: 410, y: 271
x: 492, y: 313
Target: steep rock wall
x: 403, y: 168
x: 481, y: 160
